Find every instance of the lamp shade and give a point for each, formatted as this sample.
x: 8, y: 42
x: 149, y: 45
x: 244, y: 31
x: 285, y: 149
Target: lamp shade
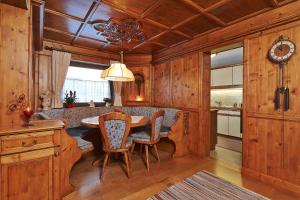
x: 118, y: 72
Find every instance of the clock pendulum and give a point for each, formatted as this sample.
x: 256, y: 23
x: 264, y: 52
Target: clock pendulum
x: 280, y: 53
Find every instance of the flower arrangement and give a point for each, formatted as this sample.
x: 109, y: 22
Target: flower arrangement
x: 70, y: 99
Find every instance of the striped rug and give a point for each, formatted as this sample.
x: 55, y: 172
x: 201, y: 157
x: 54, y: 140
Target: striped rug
x: 206, y: 186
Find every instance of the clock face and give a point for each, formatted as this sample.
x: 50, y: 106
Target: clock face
x: 282, y: 51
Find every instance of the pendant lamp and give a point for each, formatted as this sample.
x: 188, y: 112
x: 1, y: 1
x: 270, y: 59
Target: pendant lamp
x: 118, y: 72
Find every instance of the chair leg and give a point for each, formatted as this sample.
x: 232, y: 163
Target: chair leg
x: 132, y: 148
x: 141, y: 149
x: 156, y: 152
x: 127, y: 163
x: 104, y: 164
x: 147, y: 157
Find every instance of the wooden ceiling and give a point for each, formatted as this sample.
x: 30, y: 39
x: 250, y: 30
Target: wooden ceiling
x: 166, y: 23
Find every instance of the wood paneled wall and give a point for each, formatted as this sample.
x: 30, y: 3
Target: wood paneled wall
x: 138, y: 64
x: 183, y: 83
x: 15, y: 59
x: 271, y: 138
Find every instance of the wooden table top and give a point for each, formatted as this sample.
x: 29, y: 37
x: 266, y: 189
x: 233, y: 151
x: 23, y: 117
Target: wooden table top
x: 136, y: 121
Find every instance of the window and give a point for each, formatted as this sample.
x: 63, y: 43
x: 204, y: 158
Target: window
x: 87, y: 83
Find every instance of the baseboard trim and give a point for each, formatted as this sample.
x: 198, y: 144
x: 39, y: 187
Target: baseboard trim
x: 276, y: 182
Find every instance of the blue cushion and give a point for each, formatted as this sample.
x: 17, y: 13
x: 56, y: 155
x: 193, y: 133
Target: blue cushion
x: 142, y: 136
x: 78, y: 131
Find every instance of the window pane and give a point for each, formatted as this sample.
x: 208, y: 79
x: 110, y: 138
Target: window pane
x: 87, y: 84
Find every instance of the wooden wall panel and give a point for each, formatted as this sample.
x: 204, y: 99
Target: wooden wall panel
x: 161, y: 84
x: 15, y: 59
x: 270, y: 137
x: 185, y: 81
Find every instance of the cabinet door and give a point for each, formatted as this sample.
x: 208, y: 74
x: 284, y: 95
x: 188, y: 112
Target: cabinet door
x: 234, y: 126
x: 31, y: 175
x: 237, y: 75
x: 222, y: 126
x: 222, y: 76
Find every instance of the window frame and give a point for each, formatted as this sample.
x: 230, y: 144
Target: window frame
x: 89, y: 65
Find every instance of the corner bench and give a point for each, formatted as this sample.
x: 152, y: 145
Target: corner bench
x: 174, y: 124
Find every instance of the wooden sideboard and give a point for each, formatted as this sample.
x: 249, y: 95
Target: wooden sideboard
x: 35, y: 161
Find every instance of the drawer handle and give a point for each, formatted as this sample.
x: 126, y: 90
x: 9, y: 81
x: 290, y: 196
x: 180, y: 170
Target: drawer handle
x: 56, y: 154
x: 24, y: 144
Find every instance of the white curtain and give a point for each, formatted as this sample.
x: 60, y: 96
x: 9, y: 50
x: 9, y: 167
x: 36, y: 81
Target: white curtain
x: 60, y: 64
x: 117, y: 93
x: 117, y: 89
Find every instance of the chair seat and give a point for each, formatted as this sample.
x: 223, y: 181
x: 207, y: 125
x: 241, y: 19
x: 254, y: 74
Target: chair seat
x: 142, y: 136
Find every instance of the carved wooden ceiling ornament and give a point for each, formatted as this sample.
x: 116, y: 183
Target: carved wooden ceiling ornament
x: 127, y: 30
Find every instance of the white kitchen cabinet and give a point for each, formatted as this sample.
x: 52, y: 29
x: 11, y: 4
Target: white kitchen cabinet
x: 237, y: 75
x: 222, y: 124
x: 234, y: 127
x: 220, y: 77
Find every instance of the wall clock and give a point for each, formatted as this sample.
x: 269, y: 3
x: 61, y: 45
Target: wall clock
x: 280, y: 53
x: 282, y: 50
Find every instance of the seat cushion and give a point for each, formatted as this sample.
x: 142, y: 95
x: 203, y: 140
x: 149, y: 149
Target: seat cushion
x: 142, y: 136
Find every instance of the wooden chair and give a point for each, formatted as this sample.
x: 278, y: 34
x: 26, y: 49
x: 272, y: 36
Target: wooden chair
x: 150, y: 137
x: 115, y: 128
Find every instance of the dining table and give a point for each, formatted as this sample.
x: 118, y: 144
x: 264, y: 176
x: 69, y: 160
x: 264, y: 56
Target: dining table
x: 93, y: 123
x: 136, y: 121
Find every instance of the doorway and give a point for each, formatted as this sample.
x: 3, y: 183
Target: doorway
x: 226, y: 104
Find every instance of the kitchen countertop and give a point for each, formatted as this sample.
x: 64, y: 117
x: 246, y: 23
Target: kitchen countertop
x: 224, y: 108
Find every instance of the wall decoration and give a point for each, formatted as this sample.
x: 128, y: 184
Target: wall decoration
x: 127, y: 30
x: 139, y: 81
x: 18, y: 103
x: 280, y: 53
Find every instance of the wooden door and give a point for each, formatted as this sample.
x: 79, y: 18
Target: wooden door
x: 30, y: 175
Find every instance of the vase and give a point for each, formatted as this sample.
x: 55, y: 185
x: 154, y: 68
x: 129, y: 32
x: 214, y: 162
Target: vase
x: 69, y: 105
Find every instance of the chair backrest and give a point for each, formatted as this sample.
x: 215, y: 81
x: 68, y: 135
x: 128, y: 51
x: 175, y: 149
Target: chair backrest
x: 114, y: 128
x: 156, y: 124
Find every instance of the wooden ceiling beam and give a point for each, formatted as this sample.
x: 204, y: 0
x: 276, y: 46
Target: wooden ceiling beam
x: 217, y: 5
x: 119, y: 9
x: 87, y: 18
x: 151, y: 8
x: 204, y: 12
x: 159, y: 44
x: 62, y: 15
x: 182, y: 34
x: 38, y: 14
x: 71, y: 34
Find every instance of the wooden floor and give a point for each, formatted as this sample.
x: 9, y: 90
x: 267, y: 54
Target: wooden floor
x: 141, y: 185
x: 227, y: 142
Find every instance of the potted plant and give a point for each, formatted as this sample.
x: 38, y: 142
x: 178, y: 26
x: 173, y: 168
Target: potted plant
x: 70, y: 99
x: 107, y: 102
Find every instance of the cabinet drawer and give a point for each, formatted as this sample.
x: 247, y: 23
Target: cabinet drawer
x: 26, y: 142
